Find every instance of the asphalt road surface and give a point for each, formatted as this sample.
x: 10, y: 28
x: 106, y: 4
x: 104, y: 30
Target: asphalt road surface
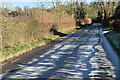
x: 79, y: 56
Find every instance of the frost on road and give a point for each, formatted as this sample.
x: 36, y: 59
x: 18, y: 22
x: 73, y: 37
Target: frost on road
x: 80, y: 56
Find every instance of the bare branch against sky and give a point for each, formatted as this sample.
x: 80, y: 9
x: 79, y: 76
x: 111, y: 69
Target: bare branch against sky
x: 59, y: 0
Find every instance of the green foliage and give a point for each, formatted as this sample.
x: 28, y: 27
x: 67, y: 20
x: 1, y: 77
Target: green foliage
x: 13, y: 50
x: 100, y: 13
x: 116, y: 25
x: 113, y: 22
x: 18, y: 48
x: 13, y: 13
x: 21, y: 33
x: 71, y: 9
x: 77, y: 10
x: 114, y: 39
x: 90, y: 10
x: 117, y: 12
x: 31, y: 28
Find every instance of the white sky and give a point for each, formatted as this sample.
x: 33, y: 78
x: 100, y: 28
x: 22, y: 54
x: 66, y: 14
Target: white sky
x: 56, y: 0
x: 33, y: 3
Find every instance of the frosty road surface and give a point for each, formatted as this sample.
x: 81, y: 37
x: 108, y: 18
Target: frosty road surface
x: 79, y: 56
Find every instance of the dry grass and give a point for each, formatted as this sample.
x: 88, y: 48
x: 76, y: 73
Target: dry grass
x: 17, y: 32
x: 24, y: 29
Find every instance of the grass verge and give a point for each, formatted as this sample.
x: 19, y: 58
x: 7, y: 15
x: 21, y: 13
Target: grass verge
x: 114, y: 39
x: 20, y: 49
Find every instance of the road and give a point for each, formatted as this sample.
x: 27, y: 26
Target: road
x: 79, y: 56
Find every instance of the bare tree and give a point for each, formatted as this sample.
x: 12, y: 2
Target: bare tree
x: 26, y: 10
x: 19, y: 10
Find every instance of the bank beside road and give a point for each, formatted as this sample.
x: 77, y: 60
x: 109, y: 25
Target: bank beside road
x: 112, y: 54
x: 81, y: 55
x: 114, y: 38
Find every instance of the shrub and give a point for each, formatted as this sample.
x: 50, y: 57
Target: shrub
x: 13, y: 13
x: 107, y: 22
x: 85, y: 21
x: 112, y: 23
x: 25, y: 29
x: 117, y: 12
x: 116, y: 25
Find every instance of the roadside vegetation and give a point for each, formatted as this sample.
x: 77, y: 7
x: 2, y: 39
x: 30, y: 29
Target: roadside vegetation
x: 26, y: 32
x: 26, y: 29
x: 112, y: 24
